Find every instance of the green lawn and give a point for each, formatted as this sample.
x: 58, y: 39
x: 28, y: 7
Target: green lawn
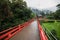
x: 53, y: 25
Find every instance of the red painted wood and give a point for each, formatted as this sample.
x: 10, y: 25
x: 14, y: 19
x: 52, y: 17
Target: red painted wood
x: 42, y: 33
x: 6, y: 30
x: 18, y: 28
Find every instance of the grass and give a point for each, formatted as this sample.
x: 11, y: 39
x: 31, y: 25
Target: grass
x: 53, y: 25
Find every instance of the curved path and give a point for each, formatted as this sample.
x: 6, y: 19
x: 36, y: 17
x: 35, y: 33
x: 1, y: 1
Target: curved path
x: 28, y: 33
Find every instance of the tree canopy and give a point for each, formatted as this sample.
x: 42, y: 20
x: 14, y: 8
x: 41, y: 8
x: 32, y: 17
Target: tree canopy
x: 13, y: 12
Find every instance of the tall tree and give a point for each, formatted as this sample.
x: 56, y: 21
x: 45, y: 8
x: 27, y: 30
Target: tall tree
x: 13, y: 12
x: 57, y: 13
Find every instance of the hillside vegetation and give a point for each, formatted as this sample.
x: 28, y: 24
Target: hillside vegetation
x: 13, y: 12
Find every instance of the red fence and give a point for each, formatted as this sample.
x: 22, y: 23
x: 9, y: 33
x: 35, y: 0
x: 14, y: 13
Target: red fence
x: 42, y: 33
x: 7, y: 34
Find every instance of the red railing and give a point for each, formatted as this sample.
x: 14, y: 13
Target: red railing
x: 42, y: 33
x: 7, y: 34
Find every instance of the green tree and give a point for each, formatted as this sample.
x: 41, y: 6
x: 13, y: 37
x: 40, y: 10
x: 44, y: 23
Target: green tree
x: 13, y: 13
x: 57, y: 13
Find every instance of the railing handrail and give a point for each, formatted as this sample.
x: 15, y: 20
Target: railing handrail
x: 42, y: 33
x: 6, y: 30
x: 52, y: 34
x: 14, y: 30
x: 46, y: 33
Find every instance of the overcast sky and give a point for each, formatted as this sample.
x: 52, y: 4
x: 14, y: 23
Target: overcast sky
x: 42, y: 4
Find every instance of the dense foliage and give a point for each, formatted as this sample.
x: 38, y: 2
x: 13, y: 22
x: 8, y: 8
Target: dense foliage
x: 13, y: 12
x: 54, y: 15
x: 57, y: 13
x: 52, y: 27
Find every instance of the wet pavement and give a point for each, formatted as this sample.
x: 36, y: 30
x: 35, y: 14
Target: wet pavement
x: 28, y: 33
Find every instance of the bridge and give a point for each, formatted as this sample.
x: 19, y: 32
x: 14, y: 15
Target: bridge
x: 30, y: 30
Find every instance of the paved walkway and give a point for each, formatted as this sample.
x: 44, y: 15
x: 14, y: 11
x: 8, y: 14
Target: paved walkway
x: 28, y: 33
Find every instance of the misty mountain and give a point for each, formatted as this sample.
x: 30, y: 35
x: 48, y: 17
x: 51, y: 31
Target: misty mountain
x: 53, y: 9
x: 36, y: 11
